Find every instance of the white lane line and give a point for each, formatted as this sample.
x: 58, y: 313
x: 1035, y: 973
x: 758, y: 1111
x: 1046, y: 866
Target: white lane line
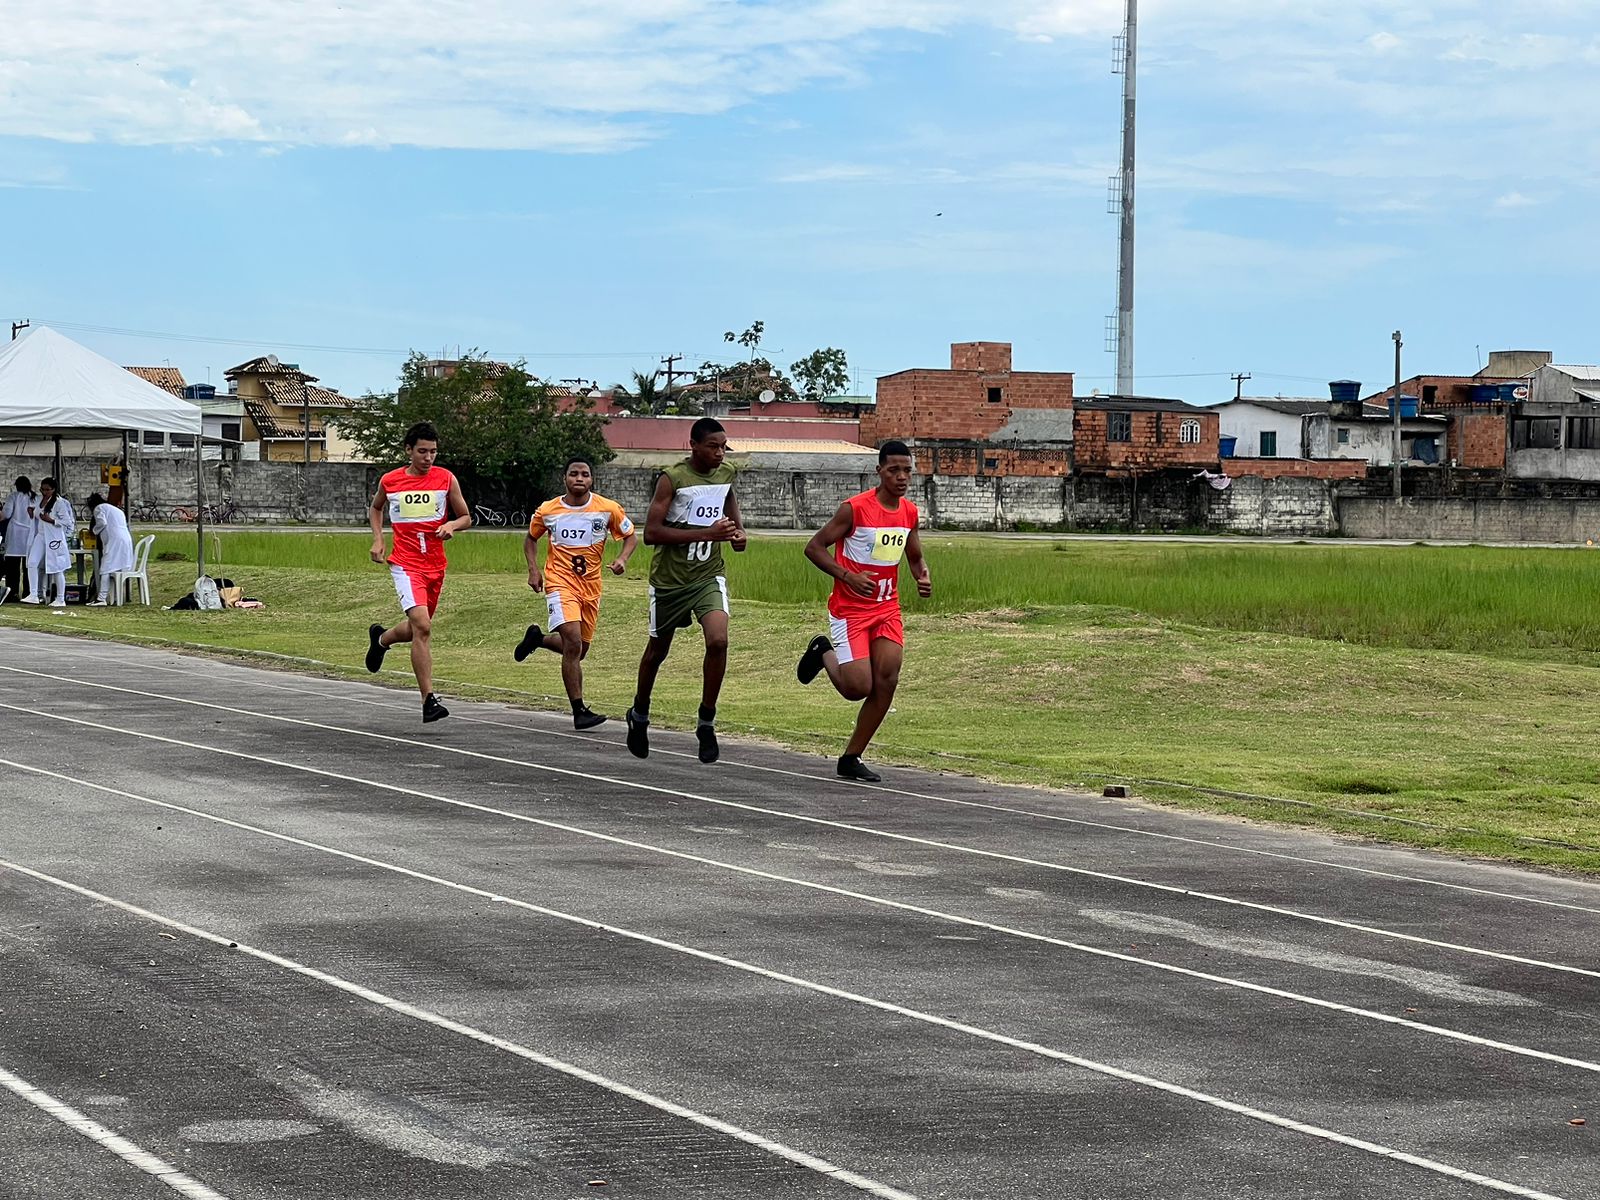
x: 937, y: 914
x: 1033, y: 814
x: 180, y: 1182
x: 793, y: 881
x: 987, y: 1035
x: 129, y: 1153
x: 1085, y: 872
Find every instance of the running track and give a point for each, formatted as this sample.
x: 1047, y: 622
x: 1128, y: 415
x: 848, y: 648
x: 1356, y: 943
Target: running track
x: 266, y: 936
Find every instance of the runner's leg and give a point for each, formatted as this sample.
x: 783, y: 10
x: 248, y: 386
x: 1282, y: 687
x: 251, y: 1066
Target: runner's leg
x: 570, y: 638
x: 852, y: 679
x: 715, y: 627
x: 885, y: 660
x: 419, y: 628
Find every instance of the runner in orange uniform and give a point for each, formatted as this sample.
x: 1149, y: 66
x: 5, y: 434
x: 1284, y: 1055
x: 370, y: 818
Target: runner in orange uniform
x: 873, y: 532
x: 426, y: 509
x: 578, y: 525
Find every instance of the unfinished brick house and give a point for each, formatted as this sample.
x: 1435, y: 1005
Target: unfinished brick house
x: 1129, y: 435
x: 979, y: 417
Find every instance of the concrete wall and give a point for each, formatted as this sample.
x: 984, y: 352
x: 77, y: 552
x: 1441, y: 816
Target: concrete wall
x: 1472, y: 520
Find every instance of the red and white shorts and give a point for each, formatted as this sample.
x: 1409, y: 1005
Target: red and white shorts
x: 854, y: 634
x: 416, y: 589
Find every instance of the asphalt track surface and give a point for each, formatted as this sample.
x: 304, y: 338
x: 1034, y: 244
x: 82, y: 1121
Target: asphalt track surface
x: 268, y: 936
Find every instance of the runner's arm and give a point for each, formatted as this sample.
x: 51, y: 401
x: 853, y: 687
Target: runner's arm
x: 738, y: 541
x: 530, y: 551
x: 823, y: 540
x: 918, y: 565
x: 460, y: 517
x: 375, y: 519
x: 630, y: 543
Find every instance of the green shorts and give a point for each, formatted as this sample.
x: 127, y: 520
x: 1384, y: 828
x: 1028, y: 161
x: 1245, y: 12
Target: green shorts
x: 676, y: 608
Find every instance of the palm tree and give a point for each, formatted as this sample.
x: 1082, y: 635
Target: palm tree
x: 647, y: 400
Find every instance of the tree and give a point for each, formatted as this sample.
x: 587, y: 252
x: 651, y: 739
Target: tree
x: 500, y: 430
x: 648, y: 400
x: 742, y: 383
x: 749, y: 339
x: 822, y: 373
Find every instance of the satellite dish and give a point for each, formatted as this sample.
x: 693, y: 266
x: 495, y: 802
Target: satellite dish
x: 272, y: 360
x: 768, y: 396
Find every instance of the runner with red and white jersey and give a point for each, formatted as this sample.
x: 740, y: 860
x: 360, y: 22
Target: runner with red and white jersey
x: 873, y: 532
x: 426, y: 509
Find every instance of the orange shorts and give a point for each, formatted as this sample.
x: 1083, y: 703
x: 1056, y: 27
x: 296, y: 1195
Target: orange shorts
x: 565, y: 605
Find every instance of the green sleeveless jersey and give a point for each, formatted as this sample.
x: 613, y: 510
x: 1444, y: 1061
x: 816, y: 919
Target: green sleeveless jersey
x: 697, y: 502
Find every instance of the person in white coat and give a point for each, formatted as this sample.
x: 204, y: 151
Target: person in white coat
x: 18, y: 533
x: 109, y: 525
x: 48, y: 555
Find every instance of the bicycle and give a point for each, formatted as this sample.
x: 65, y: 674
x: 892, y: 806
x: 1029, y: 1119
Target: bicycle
x: 484, y: 515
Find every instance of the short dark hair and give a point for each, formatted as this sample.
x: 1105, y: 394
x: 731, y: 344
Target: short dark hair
x: 584, y: 461
x: 422, y: 431
x: 704, y: 428
x: 891, y: 448
x: 24, y: 484
x: 95, y: 500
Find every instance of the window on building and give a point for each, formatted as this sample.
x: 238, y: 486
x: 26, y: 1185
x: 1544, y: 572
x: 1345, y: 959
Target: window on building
x: 1536, y: 433
x: 1119, y: 427
x: 991, y: 464
x: 151, y: 438
x: 1430, y: 393
x: 1269, y: 443
x: 183, y: 441
x: 1189, y: 432
x: 1583, y: 433
x: 231, y: 431
x: 1344, y: 437
x: 996, y: 395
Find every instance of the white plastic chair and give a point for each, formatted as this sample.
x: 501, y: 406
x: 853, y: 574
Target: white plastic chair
x: 122, y: 580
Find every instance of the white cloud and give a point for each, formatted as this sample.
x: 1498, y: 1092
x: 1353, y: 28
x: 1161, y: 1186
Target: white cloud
x: 1512, y: 200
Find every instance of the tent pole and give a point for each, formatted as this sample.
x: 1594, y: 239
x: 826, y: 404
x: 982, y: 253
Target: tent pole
x: 58, y: 463
x: 200, y: 502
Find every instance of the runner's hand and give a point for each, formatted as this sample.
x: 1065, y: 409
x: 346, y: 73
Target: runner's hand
x: 721, y: 530
x: 861, y: 584
x: 376, y: 553
x: 739, y: 541
x: 536, y: 579
x: 924, y: 585
x: 618, y: 566
x: 444, y: 533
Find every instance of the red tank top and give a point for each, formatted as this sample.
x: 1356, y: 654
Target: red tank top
x: 418, y: 505
x: 876, y: 544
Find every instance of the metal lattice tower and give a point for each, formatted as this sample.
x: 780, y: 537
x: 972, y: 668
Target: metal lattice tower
x: 1120, y: 202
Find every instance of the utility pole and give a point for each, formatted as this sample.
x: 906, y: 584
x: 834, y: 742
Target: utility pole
x: 1128, y: 55
x: 671, y: 371
x: 17, y: 327
x: 1396, y: 410
x: 1238, y: 386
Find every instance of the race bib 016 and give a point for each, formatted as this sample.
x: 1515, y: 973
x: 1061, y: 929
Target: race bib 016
x: 889, y: 545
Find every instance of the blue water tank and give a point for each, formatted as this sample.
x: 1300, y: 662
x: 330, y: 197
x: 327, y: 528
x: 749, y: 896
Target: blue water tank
x: 1345, y: 391
x: 1226, y: 445
x: 1408, y: 406
x: 1484, y: 393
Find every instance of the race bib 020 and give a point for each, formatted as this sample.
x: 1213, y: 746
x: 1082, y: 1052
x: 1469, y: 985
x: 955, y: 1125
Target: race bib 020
x: 416, y: 506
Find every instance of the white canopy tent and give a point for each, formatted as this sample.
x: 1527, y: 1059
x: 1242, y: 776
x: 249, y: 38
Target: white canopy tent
x: 52, y: 387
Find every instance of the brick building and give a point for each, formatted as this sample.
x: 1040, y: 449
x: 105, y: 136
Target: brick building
x: 972, y: 400
x: 1128, y: 435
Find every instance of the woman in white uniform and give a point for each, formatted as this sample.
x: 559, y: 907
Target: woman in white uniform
x: 54, y: 524
x: 19, y: 533
x: 109, y: 525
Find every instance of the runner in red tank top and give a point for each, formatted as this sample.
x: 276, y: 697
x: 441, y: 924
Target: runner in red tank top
x: 426, y: 509
x: 873, y: 532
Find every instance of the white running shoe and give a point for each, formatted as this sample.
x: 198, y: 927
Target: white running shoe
x: 31, y: 600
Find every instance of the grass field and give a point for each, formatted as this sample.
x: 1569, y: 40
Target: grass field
x: 1448, y: 688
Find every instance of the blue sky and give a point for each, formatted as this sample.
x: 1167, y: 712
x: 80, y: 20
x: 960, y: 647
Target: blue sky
x: 594, y: 185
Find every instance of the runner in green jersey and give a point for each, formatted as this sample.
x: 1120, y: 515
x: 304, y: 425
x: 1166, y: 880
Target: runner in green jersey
x: 691, y: 514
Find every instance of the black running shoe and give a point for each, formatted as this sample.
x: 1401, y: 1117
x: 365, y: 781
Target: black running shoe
x: 375, y: 649
x: 432, y: 710
x: 529, y: 643
x: 706, y: 733
x: 811, y: 660
x: 851, y: 767
x: 638, y: 735
x: 588, y: 719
